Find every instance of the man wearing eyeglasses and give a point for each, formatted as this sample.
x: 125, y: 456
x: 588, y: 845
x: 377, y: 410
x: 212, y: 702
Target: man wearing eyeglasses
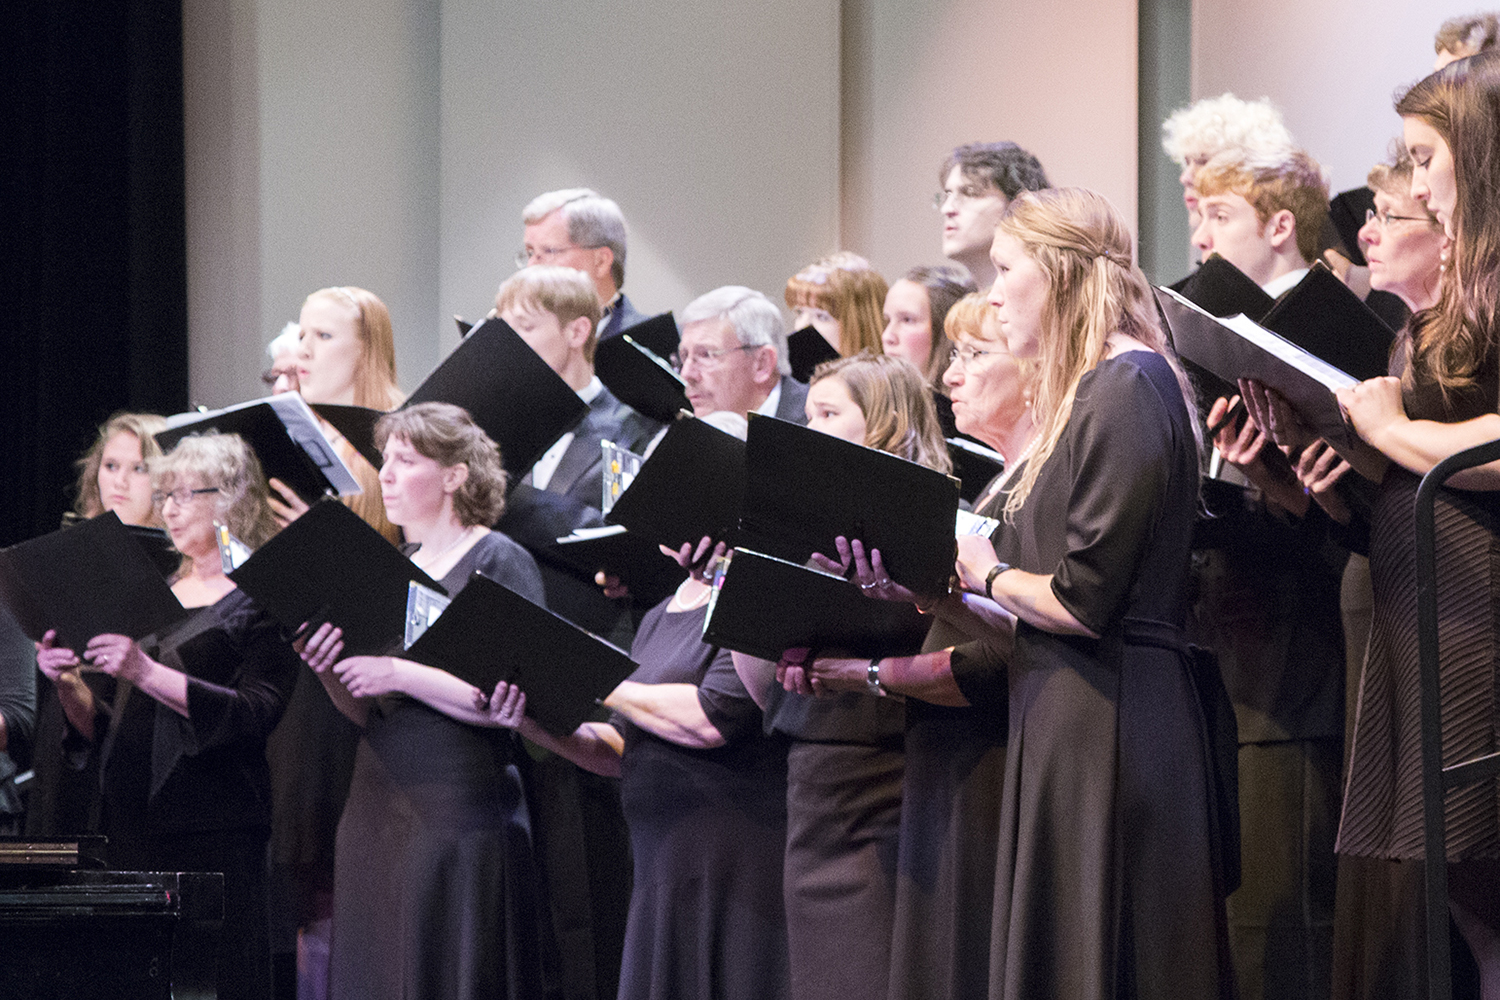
x: 979, y: 180
x: 733, y: 356
x: 578, y: 228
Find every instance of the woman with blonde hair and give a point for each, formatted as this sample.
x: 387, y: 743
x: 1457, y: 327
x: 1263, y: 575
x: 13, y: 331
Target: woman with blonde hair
x: 185, y: 782
x: 346, y: 356
x: 1109, y: 879
x: 113, y: 475
x: 839, y: 296
x: 888, y: 395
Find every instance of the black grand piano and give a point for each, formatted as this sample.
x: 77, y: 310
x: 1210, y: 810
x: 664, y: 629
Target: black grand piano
x: 71, y: 930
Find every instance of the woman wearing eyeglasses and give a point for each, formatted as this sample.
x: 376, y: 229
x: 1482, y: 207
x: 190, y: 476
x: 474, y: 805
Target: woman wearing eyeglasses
x: 954, y: 740
x: 182, y: 747
x: 1106, y: 876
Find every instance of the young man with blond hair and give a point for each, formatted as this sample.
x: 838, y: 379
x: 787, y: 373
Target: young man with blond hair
x: 581, y: 826
x: 1262, y: 214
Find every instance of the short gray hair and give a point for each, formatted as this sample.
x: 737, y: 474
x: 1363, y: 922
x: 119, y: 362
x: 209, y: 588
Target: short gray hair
x: 755, y: 319
x: 592, y: 220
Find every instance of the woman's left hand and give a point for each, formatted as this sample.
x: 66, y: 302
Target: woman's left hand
x: 976, y: 557
x: 285, y: 504
x: 119, y: 656
x: 368, y: 676
x: 870, y: 572
x: 1373, y: 406
x: 505, y: 707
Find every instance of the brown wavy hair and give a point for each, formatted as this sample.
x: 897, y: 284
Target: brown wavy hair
x: 1461, y: 102
x: 1083, y: 247
x: 449, y: 436
x: 896, y: 400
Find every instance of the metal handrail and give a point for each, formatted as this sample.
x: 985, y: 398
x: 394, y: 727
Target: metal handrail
x: 1436, y: 779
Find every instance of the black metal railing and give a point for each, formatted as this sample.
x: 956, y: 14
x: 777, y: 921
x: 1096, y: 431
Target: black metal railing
x: 1437, y: 779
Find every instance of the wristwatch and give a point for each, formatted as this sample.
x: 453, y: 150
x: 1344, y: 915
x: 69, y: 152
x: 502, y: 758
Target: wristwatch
x: 989, y: 581
x: 872, y: 678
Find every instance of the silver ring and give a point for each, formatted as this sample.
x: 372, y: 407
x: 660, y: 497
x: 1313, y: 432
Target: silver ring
x: 867, y: 586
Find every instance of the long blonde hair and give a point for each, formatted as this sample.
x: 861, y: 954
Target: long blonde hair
x: 144, y: 426
x: 1083, y: 247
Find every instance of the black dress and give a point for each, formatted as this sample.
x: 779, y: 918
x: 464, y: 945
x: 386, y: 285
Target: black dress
x: 194, y: 793
x: 1383, y: 793
x: 844, y: 776
x: 950, y: 822
x: 1106, y: 880
x: 435, y: 887
x: 707, y: 829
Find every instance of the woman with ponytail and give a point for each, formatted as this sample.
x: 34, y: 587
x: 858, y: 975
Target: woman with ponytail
x: 1109, y: 881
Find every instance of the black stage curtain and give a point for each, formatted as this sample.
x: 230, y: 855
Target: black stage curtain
x: 92, y: 237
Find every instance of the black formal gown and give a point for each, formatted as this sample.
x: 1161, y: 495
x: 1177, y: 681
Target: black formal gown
x: 436, y: 891
x: 1107, y: 882
x: 707, y: 830
x: 194, y: 793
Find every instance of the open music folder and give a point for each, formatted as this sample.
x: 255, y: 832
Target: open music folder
x: 488, y: 633
x: 84, y: 580
x: 285, y: 435
x: 509, y: 391
x: 1237, y: 347
x: 690, y: 486
x: 804, y: 488
x: 330, y: 566
x: 764, y: 606
x: 640, y: 377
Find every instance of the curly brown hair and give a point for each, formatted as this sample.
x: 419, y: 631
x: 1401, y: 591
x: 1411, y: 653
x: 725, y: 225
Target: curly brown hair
x: 449, y: 436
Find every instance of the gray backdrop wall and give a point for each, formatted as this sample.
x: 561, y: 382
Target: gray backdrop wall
x: 393, y: 143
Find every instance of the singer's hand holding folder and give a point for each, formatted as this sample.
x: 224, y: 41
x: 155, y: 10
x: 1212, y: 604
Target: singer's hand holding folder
x: 1237, y: 347
x: 489, y: 633
x: 764, y: 606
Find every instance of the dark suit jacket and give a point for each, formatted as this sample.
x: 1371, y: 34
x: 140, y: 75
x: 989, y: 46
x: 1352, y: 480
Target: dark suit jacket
x: 537, y: 518
x: 793, y: 401
x: 624, y: 316
x: 580, y: 473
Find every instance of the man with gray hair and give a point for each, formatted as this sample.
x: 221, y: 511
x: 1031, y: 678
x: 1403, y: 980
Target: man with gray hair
x: 733, y: 356
x: 579, y: 228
